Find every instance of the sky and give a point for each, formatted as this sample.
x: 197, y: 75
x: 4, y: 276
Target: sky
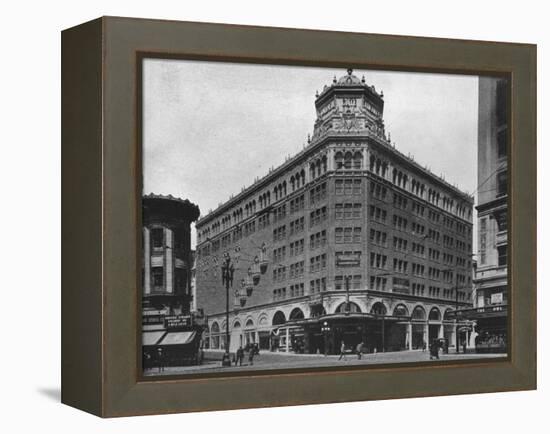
x: 211, y: 128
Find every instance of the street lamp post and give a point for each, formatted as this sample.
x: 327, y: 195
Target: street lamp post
x: 325, y: 329
x: 227, y: 278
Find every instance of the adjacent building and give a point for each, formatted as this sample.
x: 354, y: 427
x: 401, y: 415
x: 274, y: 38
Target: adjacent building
x: 167, y: 263
x: 349, y: 240
x: 491, y: 278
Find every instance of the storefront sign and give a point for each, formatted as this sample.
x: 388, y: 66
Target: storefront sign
x: 497, y: 298
x: 177, y: 321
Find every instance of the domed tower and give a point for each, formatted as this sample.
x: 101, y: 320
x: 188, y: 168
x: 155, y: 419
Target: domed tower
x: 349, y: 105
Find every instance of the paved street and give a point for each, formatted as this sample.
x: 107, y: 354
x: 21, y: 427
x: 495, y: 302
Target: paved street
x: 268, y: 360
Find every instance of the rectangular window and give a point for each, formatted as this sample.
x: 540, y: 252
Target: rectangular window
x: 502, y: 183
x: 502, y: 137
x: 157, y: 237
x: 502, y: 255
x: 158, y: 277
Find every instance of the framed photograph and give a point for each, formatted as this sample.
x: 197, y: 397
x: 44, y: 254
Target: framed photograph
x: 262, y: 217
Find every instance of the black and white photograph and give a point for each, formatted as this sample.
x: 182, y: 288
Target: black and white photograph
x: 311, y: 217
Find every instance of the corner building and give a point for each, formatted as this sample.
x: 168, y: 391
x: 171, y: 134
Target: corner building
x: 349, y: 240
x: 490, y: 313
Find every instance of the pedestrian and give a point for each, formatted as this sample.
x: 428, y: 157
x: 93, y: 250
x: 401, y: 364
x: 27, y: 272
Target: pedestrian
x: 464, y: 346
x: 251, y: 356
x: 240, y: 356
x: 342, y: 351
x: 434, y: 350
x: 160, y: 359
x: 423, y: 346
x: 359, y: 350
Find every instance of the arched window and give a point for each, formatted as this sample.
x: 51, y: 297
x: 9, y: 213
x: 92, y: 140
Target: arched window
x: 352, y: 308
x: 312, y: 170
x: 278, y: 318
x: 318, y: 167
x: 401, y: 310
x: 347, y: 160
x: 357, y: 160
x: 378, y: 309
x: 317, y: 310
x: 419, y: 313
x: 292, y: 183
x: 339, y: 160
x: 215, y: 336
x: 296, y: 313
x: 324, y: 163
x: 435, y: 314
x: 372, y: 162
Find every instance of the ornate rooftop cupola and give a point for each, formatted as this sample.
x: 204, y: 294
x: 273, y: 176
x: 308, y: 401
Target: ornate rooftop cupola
x: 349, y: 106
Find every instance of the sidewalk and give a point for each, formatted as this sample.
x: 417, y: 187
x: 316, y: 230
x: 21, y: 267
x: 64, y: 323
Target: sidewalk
x: 279, y: 360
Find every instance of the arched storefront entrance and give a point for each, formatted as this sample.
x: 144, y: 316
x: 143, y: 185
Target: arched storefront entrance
x: 378, y: 331
x: 435, y: 327
x: 419, y: 328
x: 278, y: 336
x: 298, y: 338
x: 398, y: 330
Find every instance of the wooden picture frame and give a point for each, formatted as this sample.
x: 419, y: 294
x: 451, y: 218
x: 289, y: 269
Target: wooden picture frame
x: 101, y: 217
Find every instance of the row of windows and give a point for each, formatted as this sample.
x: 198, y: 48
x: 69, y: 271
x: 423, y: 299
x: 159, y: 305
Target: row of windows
x: 318, y: 239
x: 279, y: 254
x: 279, y: 213
x: 378, y: 260
x: 347, y: 211
x: 353, y: 282
x: 297, y: 290
x: 347, y: 186
x: 279, y: 233
x: 400, y: 222
x: 317, y: 263
x: 418, y: 270
x: 297, y: 226
x: 400, y: 244
x: 318, y: 285
x: 418, y: 288
x: 378, y: 190
x: 378, y: 283
x: 297, y: 247
x: 418, y: 249
x: 318, y: 216
x: 348, y: 160
x: 378, y: 237
x: 318, y: 193
x: 296, y: 270
x: 347, y: 235
x: 297, y: 204
x: 279, y: 274
x: 377, y: 214
x: 400, y: 201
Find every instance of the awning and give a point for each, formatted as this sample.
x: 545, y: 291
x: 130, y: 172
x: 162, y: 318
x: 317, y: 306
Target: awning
x: 178, y: 338
x: 151, y: 338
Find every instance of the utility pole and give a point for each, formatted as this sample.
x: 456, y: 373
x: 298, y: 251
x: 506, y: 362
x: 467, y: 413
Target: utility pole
x: 456, y: 314
x: 347, y: 279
